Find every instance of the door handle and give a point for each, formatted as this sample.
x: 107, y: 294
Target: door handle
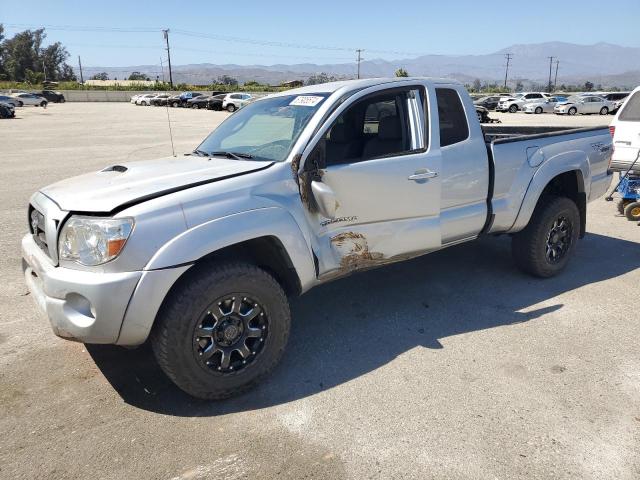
x: 422, y: 175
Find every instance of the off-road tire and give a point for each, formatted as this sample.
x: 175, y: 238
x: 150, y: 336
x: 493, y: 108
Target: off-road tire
x: 173, y: 332
x: 529, y: 245
x: 620, y: 205
x: 632, y: 211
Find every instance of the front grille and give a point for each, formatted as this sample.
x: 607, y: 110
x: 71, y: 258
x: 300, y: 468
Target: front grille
x: 37, y: 226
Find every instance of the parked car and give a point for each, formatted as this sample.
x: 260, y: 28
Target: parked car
x: 296, y: 189
x: 235, y: 101
x: 586, y: 105
x: 184, y: 97
x: 135, y: 97
x: 160, y: 99
x: 52, y: 96
x: 7, y: 110
x: 30, y: 99
x: 490, y: 102
x: 516, y: 102
x: 215, y: 102
x: 145, y: 99
x: 11, y: 100
x: 201, y: 101
x: 617, y: 104
x: 625, y: 129
x: 544, y: 106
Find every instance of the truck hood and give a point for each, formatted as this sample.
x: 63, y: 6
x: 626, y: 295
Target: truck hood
x: 132, y: 182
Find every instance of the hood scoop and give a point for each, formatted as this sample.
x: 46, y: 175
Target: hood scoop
x: 115, y: 168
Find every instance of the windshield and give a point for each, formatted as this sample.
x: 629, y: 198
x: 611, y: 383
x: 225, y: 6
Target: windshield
x: 265, y: 129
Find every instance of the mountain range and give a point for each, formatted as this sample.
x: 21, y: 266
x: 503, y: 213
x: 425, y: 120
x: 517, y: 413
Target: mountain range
x: 601, y: 63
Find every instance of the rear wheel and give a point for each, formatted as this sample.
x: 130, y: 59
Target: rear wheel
x: 632, y: 211
x: 174, y: 104
x: 538, y: 109
x: 604, y: 111
x: 222, y: 330
x: 513, y: 108
x: 572, y: 111
x: 545, y: 246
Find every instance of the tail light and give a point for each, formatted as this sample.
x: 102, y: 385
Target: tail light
x: 612, y: 131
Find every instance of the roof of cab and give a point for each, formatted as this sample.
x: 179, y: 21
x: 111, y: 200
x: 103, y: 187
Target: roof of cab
x: 332, y: 87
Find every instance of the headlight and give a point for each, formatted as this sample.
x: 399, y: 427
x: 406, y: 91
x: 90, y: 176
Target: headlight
x: 93, y: 240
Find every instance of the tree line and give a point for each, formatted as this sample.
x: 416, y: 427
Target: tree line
x: 24, y: 59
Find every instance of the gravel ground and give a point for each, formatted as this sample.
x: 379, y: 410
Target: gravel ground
x: 450, y: 366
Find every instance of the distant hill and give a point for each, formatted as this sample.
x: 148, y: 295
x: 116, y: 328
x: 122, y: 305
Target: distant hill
x: 601, y: 63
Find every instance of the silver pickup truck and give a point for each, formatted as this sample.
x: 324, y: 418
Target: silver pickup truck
x: 200, y: 253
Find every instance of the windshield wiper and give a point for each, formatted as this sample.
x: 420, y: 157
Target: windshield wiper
x: 233, y: 155
x: 200, y: 153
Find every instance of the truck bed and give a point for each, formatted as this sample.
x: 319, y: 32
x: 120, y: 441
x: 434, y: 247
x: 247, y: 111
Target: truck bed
x: 517, y: 153
x: 512, y: 133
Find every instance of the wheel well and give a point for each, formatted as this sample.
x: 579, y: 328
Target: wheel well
x: 267, y: 253
x: 570, y: 185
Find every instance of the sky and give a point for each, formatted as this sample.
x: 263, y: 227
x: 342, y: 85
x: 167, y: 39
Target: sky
x: 124, y: 33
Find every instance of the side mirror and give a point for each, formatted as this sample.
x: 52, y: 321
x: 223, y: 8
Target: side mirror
x: 325, y: 199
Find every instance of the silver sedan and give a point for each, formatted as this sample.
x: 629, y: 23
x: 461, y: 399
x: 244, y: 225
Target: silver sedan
x: 545, y: 106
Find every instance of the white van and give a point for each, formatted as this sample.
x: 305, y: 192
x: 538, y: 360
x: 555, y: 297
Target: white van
x: 625, y: 129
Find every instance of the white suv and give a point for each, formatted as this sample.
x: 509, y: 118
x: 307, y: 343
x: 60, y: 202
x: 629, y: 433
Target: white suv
x: 625, y: 129
x: 234, y: 101
x: 515, y: 103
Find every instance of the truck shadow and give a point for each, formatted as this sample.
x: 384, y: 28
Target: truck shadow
x: 355, y: 325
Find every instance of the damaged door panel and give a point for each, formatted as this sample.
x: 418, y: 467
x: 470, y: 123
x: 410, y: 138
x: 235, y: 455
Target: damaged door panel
x: 367, y: 206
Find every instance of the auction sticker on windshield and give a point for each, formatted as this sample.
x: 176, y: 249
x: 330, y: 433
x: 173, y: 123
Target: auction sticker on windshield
x: 306, y: 100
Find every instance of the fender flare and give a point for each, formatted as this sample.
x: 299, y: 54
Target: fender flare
x: 209, y: 237
x: 572, y: 161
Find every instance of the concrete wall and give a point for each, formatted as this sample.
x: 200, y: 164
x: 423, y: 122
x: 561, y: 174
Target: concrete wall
x: 115, y: 96
x: 101, y: 95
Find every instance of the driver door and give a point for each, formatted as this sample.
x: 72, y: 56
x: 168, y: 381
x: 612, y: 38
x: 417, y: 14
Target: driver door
x: 373, y: 182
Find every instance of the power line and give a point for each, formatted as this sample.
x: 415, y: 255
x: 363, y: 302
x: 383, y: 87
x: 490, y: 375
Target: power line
x: 359, y: 59
x: 80, y: 66
x: 508, y: 56
x: 166, y: 37
x: 550, y: 67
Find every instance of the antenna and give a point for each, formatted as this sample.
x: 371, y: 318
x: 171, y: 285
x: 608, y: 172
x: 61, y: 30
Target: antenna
x: 173, y: 150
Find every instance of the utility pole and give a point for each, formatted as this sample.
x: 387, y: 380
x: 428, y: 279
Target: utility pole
x: 80, y: 66
x: 166, y: 37
x: 359, y: 59
x: 549, y: 87
x: 508, y: 56
x: 555, y: 82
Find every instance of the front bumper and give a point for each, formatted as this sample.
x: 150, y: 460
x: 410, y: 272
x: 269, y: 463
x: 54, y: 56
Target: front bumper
x: 94, y: 307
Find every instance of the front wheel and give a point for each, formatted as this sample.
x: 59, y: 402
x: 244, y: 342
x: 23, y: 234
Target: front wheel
x: 231, y: 108
x: 222, y: 330
x: 604, y: 111
x: 546, y: 244
x: 572, y: 111
x: 538, y: 110
x: 632, y: 211
x: 20, y: 104
x: 513, y: 108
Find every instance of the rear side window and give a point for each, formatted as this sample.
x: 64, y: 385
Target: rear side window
x: 631, y: 109
x: 453, y: 121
